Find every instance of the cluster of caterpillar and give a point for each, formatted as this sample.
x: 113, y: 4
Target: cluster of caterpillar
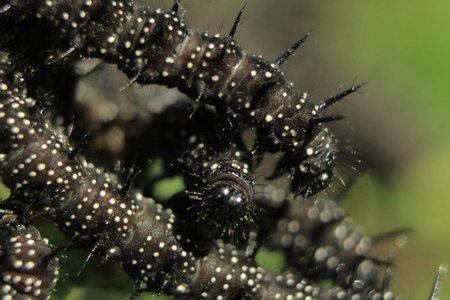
x: 178, y: 251
x: 88, y: 206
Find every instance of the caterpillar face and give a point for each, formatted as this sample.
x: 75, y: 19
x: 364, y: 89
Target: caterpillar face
x: 223, y: 205
x: 230, y: 189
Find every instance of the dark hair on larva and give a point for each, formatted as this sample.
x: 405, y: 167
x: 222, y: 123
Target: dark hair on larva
x: 27, y: 268
x: 157, y: 47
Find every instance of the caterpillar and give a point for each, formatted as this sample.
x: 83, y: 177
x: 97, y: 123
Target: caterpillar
x: 86, y: 204
x: 321, y: 243
x: 156, y: 47
x: 27, y: 268
x: 219, y: 197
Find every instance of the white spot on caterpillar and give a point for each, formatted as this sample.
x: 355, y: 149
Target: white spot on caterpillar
x: 111, y: 39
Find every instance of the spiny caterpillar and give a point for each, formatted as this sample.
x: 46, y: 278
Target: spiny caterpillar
x: 87, y: 205
x: 157, y: 47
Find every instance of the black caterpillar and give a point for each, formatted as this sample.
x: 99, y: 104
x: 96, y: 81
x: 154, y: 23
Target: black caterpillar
x: 157, y: 47
x: 27, y: 268
x: 87, y: 206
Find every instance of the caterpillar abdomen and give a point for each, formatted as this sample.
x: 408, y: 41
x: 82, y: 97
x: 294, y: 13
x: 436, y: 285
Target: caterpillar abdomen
x: 321, y: 243
x: 27, y: 268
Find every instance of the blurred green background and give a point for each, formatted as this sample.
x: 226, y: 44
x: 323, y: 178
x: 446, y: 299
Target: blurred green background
x: 400, y: 119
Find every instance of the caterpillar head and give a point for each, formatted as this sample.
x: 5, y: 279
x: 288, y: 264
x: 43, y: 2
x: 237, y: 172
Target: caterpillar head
x: 311, y: 165
x: 224, y: 204
x: 315, y: 171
